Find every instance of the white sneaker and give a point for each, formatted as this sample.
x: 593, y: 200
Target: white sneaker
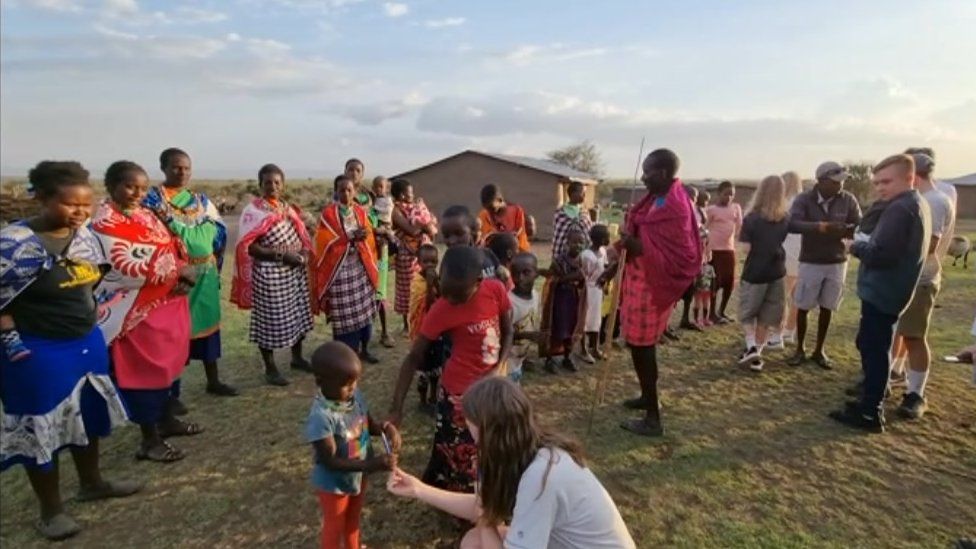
x: 776, y: 345
x: 789, y: 336
x: 586, y: 357
x: 756, y: 365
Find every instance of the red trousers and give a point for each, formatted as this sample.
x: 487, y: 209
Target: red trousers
x: 340, y: 519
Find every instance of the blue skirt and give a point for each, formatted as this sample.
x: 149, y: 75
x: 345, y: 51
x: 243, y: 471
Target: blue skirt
x: 60, y: 396
x: 206, y: 348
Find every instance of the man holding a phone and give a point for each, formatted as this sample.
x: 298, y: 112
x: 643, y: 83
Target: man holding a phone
x: 824, y: 216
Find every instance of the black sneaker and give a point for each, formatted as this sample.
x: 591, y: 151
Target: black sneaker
x: 550, y: 366
x: 369, y: 357
x: 568, y: 365
x: 748, y: 355
x: 852, y: 417
x: 912, y: 406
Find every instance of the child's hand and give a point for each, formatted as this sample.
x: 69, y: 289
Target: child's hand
x: 404, y: 485
x: 393, y: 435
x: 381, y: 463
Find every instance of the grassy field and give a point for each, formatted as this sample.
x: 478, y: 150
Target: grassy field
x: 748, y: 460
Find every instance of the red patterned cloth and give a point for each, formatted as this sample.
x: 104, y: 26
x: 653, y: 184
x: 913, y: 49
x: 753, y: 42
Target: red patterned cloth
x: 671, y: 259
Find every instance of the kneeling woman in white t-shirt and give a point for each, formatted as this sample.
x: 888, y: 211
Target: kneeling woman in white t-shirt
x: 534, y: 481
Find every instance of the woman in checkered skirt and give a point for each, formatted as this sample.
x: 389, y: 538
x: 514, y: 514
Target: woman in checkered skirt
x: 271, y: 274
x: 345, y: 269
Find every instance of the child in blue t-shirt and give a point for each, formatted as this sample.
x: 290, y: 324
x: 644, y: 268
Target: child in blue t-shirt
x: 339, y: 427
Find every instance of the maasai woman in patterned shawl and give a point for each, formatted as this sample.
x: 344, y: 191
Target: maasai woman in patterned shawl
x: 345, y: 269
x: 568, y: 216
x: 663, y: 257
x: 143, y: 309
x: 498, y: 216
x: 195, y: 219
x: 271, y: 274
x: 59, y: 396
x: 413, y: 226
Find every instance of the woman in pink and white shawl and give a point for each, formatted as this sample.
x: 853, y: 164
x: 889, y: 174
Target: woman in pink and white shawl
x: 271, y: 274
x: 663, y: 258
x: 143, y: 310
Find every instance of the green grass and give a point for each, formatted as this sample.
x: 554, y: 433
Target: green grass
x: 749, y: 460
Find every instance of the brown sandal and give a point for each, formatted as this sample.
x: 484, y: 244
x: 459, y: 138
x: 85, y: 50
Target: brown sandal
x: 180, y: 429
x: 160, y: 453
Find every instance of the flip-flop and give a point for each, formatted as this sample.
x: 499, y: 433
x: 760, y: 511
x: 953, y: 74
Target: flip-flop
x: 186, y: 429
x: 58, y: 527
x: 165, y: 453
x: 109, y: 489
x: 639, y: 426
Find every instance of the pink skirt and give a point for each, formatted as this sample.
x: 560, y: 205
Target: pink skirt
x: 153, y: 354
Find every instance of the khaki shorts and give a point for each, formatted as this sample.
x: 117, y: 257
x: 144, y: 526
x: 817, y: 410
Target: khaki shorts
x: 820, y: 286
x: 914, y: 322
x: 763, y: 303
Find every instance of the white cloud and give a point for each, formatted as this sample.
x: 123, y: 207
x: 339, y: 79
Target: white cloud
x: 446, y: 22
x: 533, y: 53
x: 373, y: 114
x: 117, y: 8
x: 63, y: 6
x: 395, y: 9
x: 191, y: 15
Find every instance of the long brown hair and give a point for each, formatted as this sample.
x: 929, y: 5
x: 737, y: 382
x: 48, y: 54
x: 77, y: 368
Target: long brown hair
x: 509, y: 439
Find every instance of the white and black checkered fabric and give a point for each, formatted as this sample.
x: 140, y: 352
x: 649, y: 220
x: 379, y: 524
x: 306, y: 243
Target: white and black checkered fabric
x: 562, y: 224
x: 281, y: 313
x: 351, y: 296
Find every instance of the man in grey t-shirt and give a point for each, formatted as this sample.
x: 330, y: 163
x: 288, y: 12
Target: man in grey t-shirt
x: 911, y: 334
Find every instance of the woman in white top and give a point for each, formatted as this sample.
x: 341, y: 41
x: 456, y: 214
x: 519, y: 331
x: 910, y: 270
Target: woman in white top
x: 794, y: 186
x: 534, y: 481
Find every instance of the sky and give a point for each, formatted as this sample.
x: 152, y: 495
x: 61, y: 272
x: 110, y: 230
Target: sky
x: 738, y: 89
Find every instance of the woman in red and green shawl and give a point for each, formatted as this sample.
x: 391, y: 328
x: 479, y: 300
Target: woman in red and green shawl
x: 195, y: 219
x: 345, y: 270
x: 143, y: 309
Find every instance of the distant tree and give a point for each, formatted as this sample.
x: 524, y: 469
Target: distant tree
x: 859, y: 181
x: 582, y: 156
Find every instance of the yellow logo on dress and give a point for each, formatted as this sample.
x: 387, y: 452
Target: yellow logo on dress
x: 80, y: 274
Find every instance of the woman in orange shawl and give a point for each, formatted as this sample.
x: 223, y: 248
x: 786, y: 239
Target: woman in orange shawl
x: 345, y: 269
x: 497, y: 216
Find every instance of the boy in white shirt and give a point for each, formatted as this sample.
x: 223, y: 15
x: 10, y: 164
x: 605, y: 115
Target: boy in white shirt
x: 525, y: 312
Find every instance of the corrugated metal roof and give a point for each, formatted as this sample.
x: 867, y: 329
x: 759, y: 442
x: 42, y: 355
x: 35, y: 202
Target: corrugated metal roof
x: 542, y: 165
x: 963, y: 180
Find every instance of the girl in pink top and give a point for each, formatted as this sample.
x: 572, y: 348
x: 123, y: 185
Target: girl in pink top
x: 724, y: 220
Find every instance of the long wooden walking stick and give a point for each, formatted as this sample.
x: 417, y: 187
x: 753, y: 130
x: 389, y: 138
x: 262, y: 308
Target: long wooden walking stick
x: 615, y: 293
